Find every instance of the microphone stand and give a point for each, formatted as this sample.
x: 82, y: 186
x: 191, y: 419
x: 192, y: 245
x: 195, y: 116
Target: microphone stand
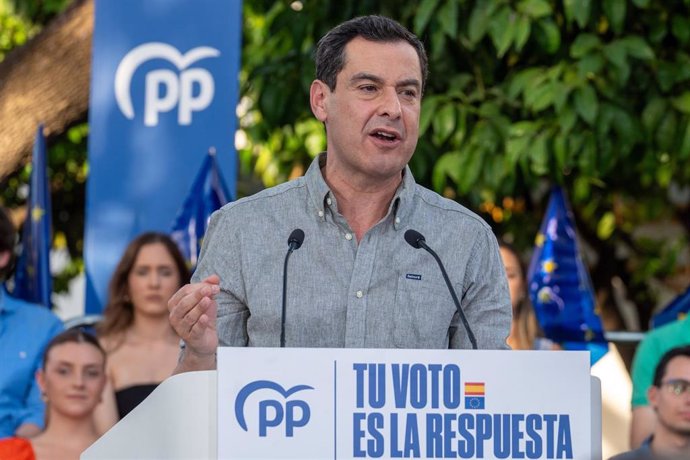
x: 417, y: 240
x: 294, y: 242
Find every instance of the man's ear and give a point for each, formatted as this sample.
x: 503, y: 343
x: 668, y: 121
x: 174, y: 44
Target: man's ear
x: 318, y: 97
x: 4, y: 259
x: 653, y: 396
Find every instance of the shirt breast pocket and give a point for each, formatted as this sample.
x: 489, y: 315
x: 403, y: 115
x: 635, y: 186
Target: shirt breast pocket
x: 424, y: 312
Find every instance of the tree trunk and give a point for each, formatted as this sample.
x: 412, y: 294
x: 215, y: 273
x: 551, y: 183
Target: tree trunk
x: 45, y: 81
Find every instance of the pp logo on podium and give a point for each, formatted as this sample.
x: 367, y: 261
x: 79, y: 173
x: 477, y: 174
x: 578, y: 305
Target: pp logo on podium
x: 294, y: 413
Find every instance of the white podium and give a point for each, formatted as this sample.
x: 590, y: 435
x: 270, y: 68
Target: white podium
x: 338, y: 404
x: 177, y: 421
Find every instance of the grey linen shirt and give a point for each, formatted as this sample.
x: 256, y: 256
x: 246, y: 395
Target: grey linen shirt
x: 376, y: 293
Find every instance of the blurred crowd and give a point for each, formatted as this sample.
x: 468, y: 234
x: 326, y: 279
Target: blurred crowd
x: 60, y: 390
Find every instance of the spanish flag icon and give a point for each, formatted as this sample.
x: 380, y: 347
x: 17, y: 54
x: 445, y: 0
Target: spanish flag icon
x: 474, y: 395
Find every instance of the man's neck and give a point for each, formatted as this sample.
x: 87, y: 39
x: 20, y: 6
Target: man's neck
x: 362, y: 203
x: 666, y: 442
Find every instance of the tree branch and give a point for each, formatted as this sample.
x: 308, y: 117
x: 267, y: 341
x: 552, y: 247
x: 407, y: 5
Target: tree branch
x: 45, y: 81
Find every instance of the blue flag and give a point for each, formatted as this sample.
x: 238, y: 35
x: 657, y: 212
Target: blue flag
x: 32, y: 281
x: 559, y: 284
x: 677, y: 309
x: 208, y: 193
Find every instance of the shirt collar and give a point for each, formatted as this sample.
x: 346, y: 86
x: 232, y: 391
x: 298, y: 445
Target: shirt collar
x: 401, y: 206
x: 319, y: 192
x: 647, y: 444
x: 316, y: 185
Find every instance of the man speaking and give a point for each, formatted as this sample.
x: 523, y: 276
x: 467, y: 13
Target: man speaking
x: 358, y: 232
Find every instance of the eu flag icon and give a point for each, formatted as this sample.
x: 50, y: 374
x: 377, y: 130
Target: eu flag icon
x: 207, y: 194
x: 559, y: 283
x: 32, y: 280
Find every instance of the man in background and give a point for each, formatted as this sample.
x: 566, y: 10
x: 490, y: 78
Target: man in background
x: 25, y: 329
x: 649, y: 352
x: 669, y: 398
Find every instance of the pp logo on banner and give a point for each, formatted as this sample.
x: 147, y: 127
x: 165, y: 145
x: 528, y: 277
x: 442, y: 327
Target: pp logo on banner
x: 273, y: 412
x: 177, y: 89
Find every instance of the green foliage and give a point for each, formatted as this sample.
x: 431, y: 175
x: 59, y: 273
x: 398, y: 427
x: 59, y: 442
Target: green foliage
x: 593, y: 96
x: 37, y: 12
x: 67, y: 169
x: 523, y: 94
x: 14, y: 30
x: 67, y: 172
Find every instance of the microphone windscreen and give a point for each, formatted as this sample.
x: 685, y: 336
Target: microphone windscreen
x: 414, y: 238
x: 296, y: 238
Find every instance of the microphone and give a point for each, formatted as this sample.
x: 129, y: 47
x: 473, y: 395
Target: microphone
x: 417, y: 240
x: 295, y: 241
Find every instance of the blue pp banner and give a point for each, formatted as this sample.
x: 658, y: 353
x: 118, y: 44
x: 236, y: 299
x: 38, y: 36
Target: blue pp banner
x: 164, y: 90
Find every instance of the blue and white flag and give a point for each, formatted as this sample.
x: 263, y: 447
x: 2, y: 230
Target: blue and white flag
x: 32, y: 280
x: 677, y: 309
x: 208, y: 193
x: 559, y: 284
x: 164, y: 86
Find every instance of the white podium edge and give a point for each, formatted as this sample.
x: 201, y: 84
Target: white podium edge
x: 177, y: 421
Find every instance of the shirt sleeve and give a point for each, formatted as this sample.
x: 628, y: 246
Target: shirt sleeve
x: 485, y: 297
x: 643, y: 366
x: 34, y: 408
x: 221, y: 255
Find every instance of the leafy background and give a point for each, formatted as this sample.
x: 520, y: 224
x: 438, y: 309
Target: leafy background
x: 523, y: 95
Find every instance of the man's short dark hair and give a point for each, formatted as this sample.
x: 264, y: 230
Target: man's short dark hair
x: 8, y: 235
x: 663, y: 362
x: 330, y: 51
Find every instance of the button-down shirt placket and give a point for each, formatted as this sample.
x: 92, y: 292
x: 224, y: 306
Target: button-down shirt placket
x: 378, y: 292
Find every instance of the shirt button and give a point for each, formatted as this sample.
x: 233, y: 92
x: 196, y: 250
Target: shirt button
x: 320, y: 213
x: 397, y: 220
x: 348, y: 236
x: 328, y: 201
x: 359, y: 294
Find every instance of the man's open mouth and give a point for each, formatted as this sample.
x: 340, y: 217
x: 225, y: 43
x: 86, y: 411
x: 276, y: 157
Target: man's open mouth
x: 386, y: 136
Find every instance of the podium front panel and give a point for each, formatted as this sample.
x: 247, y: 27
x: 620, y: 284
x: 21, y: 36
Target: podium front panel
x: 378, y: 403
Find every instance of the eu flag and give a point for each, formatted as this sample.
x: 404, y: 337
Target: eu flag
x: 208, y: 193
x: 32, y: 281
x: 475, y: 402
x: 559, y: 284
x: 677, y: 309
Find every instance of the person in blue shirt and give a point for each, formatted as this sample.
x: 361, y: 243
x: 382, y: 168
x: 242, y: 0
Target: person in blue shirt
x: 25, y: 329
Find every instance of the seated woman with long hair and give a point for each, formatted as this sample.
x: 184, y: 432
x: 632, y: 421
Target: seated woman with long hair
x: 141, y: 345
x: 71, y: 382
x: 525, y: 332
